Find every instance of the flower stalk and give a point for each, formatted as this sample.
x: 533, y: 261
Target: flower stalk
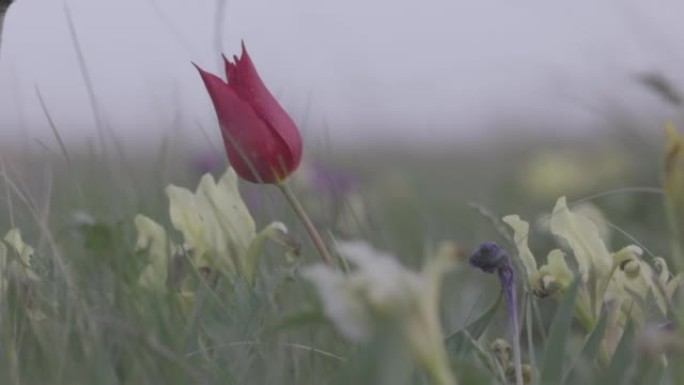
x: 506, y: 274
x: 306, y: 221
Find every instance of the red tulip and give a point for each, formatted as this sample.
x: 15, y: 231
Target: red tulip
x: 262, y: 142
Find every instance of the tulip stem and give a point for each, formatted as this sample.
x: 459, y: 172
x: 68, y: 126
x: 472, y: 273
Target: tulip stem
x: 310, y: 228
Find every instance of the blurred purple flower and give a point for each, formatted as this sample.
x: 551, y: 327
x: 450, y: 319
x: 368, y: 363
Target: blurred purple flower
x: 330, y: 181
x: 208, y: 162
x: 489, y: 257
x: 332, y: 195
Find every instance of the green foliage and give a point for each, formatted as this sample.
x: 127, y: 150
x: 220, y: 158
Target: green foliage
x: 591, y: 348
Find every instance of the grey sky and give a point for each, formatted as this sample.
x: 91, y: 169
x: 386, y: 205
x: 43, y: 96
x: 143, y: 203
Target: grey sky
x: 346, y: 70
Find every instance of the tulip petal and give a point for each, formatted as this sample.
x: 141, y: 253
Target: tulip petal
x: 245, y: 81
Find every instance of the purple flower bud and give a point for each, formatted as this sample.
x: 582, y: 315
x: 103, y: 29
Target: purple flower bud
x: 489, y: 257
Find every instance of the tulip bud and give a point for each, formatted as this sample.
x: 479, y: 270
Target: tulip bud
x: 262, y: 142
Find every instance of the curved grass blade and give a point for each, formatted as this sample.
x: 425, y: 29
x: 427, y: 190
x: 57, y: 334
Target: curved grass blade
x: 622, y: 359
x: 551, y: 370
x: 591, y: 347
x: 460, y: 342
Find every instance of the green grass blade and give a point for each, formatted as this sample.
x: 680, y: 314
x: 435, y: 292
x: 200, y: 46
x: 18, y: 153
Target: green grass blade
x: 622, y: 359
x: 591, y: 347
x: 460, y: 343
x: 559, y: 334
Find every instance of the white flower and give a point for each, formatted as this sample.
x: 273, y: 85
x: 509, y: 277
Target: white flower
x: 379, y: 288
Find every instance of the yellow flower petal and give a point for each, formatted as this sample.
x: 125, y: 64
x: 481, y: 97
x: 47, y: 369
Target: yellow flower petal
x: 583, y: 238
x: 521, y: 231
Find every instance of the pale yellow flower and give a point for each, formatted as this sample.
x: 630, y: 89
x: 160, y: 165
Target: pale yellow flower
x: 218, y: 232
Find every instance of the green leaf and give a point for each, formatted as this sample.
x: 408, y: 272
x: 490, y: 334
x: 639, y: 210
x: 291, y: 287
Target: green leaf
x: 97, y: 237
x: 460, y: 342
x: 552, y: 365
x: 591, y: 347
x: 622, y: 359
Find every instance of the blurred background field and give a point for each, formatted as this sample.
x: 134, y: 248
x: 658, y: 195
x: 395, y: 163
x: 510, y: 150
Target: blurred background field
x: 418, y: 144
x: 413, y: 196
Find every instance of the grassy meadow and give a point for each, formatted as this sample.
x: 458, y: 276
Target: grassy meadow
x: 89, y: 295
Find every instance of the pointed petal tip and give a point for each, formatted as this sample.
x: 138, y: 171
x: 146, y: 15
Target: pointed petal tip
x: 194, y: 64
x: 201, y: 71
x: 229, y: 67
x: 243, y: 54
x: 226, y: 66
x: 203, y: 74
x: 208, y: 78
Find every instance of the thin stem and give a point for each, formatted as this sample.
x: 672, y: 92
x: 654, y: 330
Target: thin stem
x: 313, y: 233
x: 529, y: 321
x: 507, y: 276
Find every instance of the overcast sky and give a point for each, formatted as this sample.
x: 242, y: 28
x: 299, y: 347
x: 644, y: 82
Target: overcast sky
x: 346, y: 70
